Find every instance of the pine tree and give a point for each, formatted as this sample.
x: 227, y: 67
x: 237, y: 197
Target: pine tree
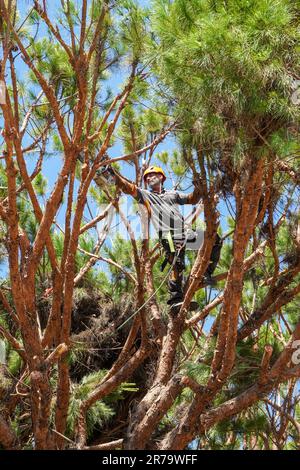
x: 207, y: 90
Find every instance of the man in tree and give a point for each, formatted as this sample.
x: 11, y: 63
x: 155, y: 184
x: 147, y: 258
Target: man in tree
x: 162, y: 209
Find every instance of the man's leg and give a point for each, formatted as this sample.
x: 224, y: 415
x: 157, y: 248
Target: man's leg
x: 175, y: 279
x: 176, y: 276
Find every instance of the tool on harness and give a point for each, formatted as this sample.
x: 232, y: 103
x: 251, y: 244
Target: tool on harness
x: 168, y: 244
x: 193, y: 241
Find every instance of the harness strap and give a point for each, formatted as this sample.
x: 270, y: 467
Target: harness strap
x: 170, y: 250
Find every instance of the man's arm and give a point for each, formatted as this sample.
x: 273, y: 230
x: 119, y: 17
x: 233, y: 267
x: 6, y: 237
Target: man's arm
x: 193, y: 197
x: 123, y: 183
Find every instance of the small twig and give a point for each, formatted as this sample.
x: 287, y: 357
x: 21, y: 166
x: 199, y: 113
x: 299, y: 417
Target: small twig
x: 64, y: 437
x: 56, y: 354
x: 265, y: 364
x: 107, y: 445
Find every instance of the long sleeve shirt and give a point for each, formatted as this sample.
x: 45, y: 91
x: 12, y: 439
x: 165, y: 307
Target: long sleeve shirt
x: 162, y: 207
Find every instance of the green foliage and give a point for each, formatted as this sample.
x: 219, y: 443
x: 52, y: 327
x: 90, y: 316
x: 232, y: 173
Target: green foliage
x: 40, y: 184
x: 177, y: 164
x: 120, y: 252
x: 197, y: 371
x: 57, y: 144
x: 132, y: 26
x: 163, y: 157
x: 98, y: 196
x: 103, y: 410
x: 198, y: 366
x: 228, y: 64
x: 5, y: 382
x: 253, y: 421
x: 14, y: 362
x: 27, y: 218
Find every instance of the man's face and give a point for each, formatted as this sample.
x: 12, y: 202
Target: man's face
x: 154, y: 180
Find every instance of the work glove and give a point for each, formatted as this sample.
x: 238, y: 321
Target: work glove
x: 105, y: 174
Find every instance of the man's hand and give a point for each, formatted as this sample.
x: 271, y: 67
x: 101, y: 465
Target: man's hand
x: 105, y: 174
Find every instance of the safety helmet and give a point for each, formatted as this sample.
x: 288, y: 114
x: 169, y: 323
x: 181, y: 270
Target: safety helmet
x: 154, y: 169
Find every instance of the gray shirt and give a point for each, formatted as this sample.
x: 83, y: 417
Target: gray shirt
x: 161, y: 207
x: 164, y: 211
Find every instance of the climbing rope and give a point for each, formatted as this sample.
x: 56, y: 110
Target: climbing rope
x: 158, y: 288
x: 164, y: 280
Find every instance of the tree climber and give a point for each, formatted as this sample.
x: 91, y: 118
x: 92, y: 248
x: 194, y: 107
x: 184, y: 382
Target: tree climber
x: 162, y: 208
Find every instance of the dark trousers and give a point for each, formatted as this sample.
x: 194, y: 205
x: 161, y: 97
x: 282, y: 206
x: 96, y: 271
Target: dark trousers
x: 176, y: 278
